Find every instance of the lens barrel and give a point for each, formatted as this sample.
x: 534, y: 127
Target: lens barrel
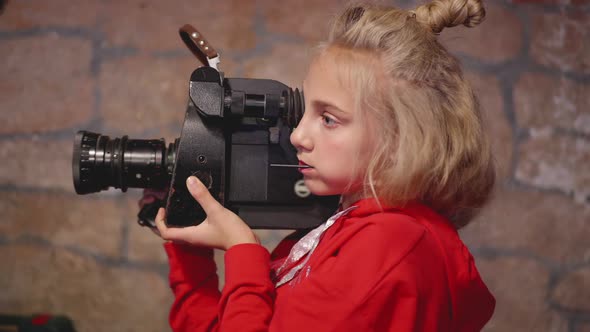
x: 99, y: 162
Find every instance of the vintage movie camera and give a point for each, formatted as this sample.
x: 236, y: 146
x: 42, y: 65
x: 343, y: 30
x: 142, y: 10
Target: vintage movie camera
x: 235, y: 139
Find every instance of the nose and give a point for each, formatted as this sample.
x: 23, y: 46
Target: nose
x: 300, y: 137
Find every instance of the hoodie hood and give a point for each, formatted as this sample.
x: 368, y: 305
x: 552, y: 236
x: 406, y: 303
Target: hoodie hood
x: 472, y: 302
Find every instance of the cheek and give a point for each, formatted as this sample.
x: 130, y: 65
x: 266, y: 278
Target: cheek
x: 366, y: 147
x: 349, y: 163
x: 360, y: 159
x: 341, y: 155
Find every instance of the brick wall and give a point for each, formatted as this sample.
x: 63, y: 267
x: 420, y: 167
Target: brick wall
x: 118, y: 67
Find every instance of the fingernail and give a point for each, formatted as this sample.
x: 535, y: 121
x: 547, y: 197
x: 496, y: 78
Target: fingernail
x: 191, y: 181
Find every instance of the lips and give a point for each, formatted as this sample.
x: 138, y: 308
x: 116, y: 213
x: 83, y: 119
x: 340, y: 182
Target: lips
x: 301, y: 163
x: 304, y: 168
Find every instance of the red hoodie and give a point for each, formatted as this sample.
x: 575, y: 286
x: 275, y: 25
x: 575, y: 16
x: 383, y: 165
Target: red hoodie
x: 401, y: 269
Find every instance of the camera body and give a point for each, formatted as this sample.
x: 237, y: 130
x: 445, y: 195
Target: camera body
x: 235, y: 139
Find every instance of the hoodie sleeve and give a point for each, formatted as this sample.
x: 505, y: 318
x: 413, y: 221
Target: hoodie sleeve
x: 247, y: 300
x: 246, y: 303
x: 194, y: 282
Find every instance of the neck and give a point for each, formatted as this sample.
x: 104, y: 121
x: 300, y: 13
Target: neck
x: 346, y: 200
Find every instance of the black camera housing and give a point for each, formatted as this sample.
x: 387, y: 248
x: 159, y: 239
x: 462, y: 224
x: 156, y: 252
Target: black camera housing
x: 235, y: 139
x: 234, y: 130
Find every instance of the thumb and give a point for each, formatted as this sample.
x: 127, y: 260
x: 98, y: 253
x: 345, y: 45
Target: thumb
x: 202, y: 195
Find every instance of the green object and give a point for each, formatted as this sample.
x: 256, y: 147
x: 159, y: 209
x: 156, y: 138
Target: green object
x: 36, y: 323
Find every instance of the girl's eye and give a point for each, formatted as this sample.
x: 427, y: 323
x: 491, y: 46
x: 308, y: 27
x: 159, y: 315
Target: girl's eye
x: 328, y: 121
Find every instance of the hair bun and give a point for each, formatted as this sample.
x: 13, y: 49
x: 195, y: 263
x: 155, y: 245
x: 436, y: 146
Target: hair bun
x: 440, y: 14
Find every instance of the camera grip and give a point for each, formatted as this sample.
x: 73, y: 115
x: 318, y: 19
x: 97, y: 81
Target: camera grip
x: 147, y: 215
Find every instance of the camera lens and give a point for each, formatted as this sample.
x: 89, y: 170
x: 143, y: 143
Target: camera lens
x: 100, y: 162
x: 293, y: 104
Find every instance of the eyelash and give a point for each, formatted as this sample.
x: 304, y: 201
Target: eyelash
x: 326, y: 118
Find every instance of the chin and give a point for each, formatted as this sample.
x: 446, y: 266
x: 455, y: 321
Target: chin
x: 321, y: 189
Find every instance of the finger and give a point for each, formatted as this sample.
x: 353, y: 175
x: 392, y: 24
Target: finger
x: 202, y: 195
x: 202, y: 235
x: 160, y: 224
x: 185, y: 235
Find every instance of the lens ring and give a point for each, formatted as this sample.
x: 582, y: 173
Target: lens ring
x: 83, y: 164
x: 120, y: 162
x: 76, y: 160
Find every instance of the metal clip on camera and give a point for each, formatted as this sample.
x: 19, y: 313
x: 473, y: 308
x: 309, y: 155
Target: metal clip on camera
x: 235, y: 139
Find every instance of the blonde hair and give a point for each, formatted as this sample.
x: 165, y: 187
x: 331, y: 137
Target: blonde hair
x: 432, y: 145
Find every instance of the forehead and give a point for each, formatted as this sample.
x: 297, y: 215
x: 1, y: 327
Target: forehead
x: 351, y: 76
x: 327, y: 81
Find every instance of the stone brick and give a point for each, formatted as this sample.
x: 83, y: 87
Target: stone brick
x: 572, y: 292
x: 169, y: 133
x: 97, y: 297
x: 542, y: 101
x: 92, y: 224
x: 497, y: 39
x: 140, y: 93
x: 544, y: 225
x: 27, y: 14
x: 50, y: 85
x: 487, y: 89
x: 37, y: 163
x: 152, y: 25
x: 583, y: 327
x: 520, y: 289
x: 552, y: 161
x: 286, y: 63
x: 308, y: 19
x: 561, y: 41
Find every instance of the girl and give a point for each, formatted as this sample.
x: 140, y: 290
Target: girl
x: 391, y: 126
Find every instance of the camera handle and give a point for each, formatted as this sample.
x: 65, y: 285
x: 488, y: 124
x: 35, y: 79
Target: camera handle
x: 199, y: 46
x: 147, y: 215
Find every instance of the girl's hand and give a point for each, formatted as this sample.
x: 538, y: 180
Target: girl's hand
x: 221, y: 229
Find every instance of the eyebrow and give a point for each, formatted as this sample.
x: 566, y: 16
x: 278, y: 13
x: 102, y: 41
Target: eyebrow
x: 321, y: 103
